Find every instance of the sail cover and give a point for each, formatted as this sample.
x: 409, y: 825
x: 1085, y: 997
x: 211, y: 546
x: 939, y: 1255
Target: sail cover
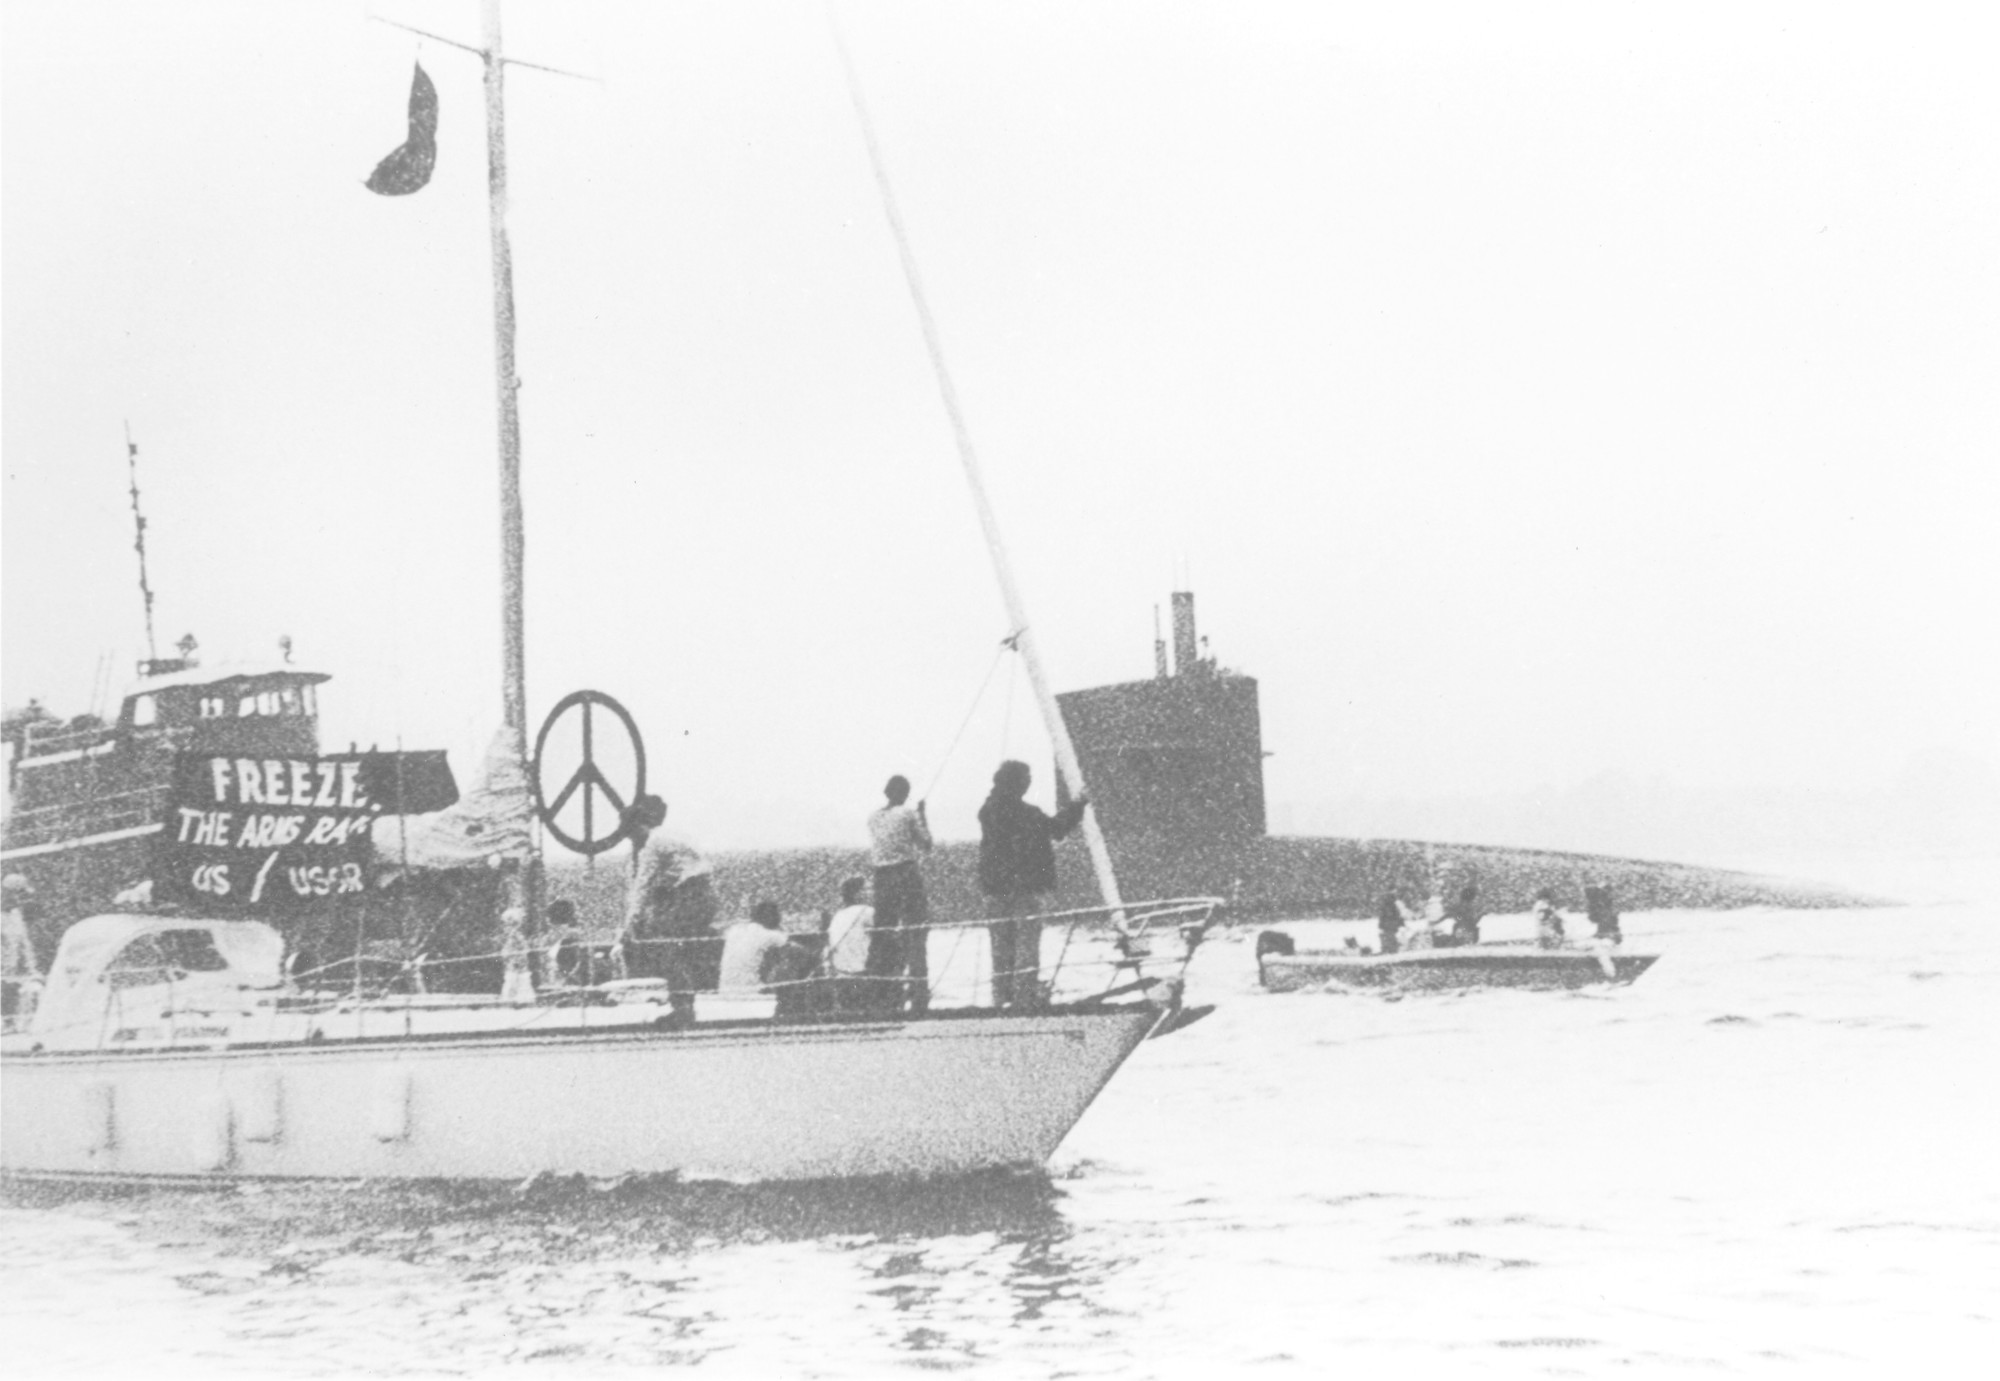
x: 493, y: 821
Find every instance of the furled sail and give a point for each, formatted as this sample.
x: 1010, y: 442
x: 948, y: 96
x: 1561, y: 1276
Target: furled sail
x: 491, y: 822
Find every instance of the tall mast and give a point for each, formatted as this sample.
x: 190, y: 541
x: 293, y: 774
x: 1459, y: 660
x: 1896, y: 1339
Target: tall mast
x: 513, y: 659
x: 1023, y: 636
x: 520, y: 888
x: 139, y: 540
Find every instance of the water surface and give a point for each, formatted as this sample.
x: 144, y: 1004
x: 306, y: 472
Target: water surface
x: 1777, y: 1154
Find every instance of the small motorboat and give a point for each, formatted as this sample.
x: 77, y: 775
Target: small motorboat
x: 1282, y: 967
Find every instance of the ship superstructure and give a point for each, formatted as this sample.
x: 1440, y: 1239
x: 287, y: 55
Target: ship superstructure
x: 85, y: 797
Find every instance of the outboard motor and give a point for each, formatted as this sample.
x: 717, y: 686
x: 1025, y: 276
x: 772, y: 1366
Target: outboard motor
x: 1274, y: 942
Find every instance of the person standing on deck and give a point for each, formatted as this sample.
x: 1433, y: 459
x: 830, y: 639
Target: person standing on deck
x: 899, y: 836
x: 1017, y: 865
x: 20, y: 968
x: 670, y: 911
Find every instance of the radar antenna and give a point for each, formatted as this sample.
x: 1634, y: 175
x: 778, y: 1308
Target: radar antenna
x: 139, y: 541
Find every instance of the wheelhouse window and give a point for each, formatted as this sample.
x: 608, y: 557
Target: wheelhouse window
x: 145, y: 711
x: 284, y: 702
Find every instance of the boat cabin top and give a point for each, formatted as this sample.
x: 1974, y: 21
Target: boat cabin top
x: 102, y: 960
x: 248, y: 708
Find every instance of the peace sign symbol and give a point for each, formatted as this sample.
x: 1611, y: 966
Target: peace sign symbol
x: 588, y: 779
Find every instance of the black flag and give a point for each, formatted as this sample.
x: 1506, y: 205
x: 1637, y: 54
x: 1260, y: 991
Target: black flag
x: 409, y: 167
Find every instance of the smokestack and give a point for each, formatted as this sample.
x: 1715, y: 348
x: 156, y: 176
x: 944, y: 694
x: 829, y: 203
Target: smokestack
x: 1185, y: 656
x: 1159, y: 648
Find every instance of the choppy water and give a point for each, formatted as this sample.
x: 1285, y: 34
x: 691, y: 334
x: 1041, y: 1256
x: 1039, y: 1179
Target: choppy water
x: 1778, y: 1154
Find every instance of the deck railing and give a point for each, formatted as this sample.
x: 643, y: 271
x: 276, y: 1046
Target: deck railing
x: 83, y: 819
x: 1089, y: 957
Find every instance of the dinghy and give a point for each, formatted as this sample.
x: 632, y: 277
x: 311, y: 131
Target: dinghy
x: 1282, y: 967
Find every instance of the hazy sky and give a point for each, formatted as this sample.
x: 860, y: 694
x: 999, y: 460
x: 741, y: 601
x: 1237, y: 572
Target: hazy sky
x: 1529, y: 391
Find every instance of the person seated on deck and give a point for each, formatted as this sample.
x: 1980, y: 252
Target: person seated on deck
x: 1548, y: 921
x: 1465, y: 916
x: 757, y: 955
x: 20, y: 968
x: 847, y: 947
x: 1603, y: 913
x: 567, y: 960
x: 1431, y: 930
x: 847, y: 934
x: 1389, y: 921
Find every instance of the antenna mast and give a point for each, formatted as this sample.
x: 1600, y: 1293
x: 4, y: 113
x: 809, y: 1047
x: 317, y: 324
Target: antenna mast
x: 139, y: 540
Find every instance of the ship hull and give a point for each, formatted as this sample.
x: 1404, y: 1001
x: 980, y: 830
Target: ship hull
x: 936, y: 1096
x: 1443, y: 969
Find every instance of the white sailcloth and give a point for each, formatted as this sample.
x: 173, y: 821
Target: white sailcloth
x: 493, y: 821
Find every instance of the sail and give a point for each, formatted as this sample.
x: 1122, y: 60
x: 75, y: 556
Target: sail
x: 493, y: 821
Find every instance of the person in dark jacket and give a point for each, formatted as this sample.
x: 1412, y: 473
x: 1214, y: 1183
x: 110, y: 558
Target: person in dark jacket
x: 1389, y: 922
x: 1017, y: 866
x: 1466, y: 914
x: 1603, y: 913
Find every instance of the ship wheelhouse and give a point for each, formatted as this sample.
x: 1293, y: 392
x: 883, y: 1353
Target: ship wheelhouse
x: 77, y: 782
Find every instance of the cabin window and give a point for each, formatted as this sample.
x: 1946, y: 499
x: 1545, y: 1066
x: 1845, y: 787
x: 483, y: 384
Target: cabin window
x: 309, y: 698
x: 192, y: 951
x: 145, y: 711
x: 214, y: 707
x: 163, y: 956
x: 140, y: 962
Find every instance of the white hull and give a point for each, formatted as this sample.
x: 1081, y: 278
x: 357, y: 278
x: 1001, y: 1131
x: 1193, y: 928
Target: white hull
x: 1471, y: 966
x: 941, y: 1095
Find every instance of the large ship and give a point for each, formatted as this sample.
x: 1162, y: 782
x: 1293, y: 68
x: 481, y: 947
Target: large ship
x: 95, y: 808
x: 87, y: 797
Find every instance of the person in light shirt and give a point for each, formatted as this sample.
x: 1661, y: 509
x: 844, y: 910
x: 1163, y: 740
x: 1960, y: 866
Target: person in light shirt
x: 847, y: 934
x: 899, y: 836
x: 1548, y: 920
x: 20, y: 970
x: 756, y: 952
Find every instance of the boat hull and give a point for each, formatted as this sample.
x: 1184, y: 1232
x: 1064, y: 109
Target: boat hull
x: 1439, y: 969
x: 936, y: 1096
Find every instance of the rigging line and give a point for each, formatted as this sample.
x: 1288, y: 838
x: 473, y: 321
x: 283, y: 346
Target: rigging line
x: 481, y: 52
x: 403, y: 838
x: 1067, y: 766
x: 977, y: 699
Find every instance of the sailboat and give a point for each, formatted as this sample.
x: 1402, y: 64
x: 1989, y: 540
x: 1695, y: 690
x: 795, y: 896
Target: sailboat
x: 176, y: 1047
